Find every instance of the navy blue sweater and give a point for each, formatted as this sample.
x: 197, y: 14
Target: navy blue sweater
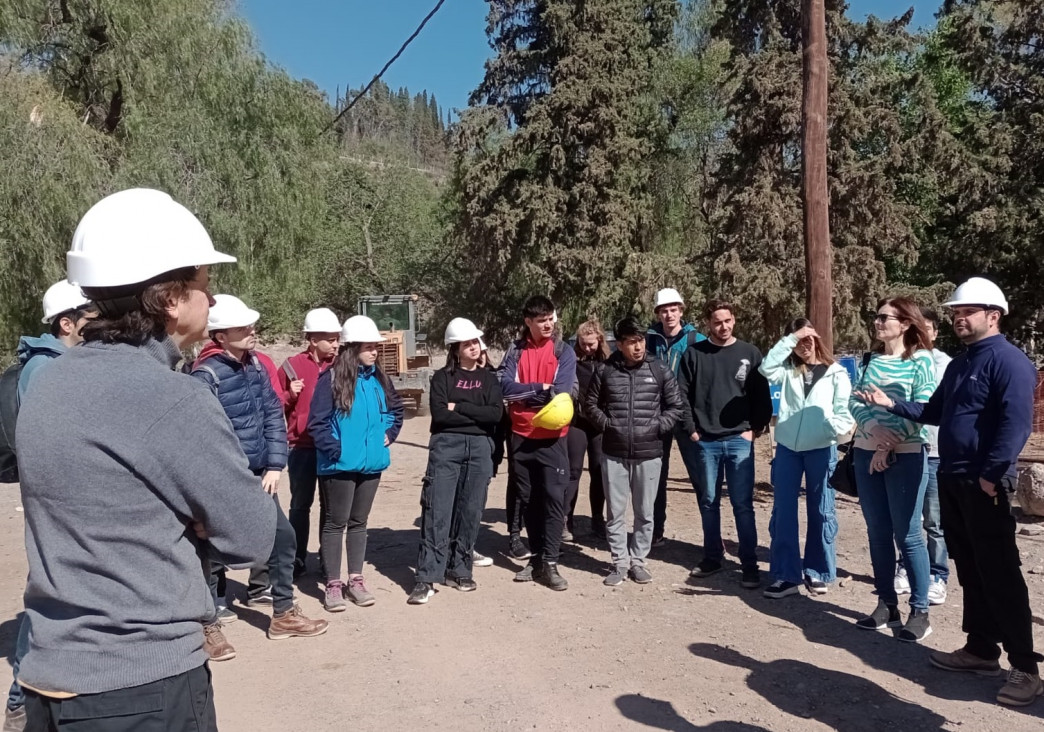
x: 984, y: 409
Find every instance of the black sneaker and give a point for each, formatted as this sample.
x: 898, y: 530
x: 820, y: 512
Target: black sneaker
x: 883, y: 616
x: 517, y: 550
x: 751, y: 578
x: 262, y: 599
x: 705, y: 568
x: 464, y: 584
x: 917, y: 627
x: 815, y: 587
x: 658, y: 540
x: 780, y: 589
x: 549, y: 576
x: 525, y: 574
x: 422, y: 592
x: 299, y: 568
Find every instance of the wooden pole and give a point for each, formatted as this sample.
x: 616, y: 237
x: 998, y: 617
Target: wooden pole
x: 815, y: 196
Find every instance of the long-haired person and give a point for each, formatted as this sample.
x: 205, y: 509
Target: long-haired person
x: 813, y: 414
x: 355, y: 416
x: 585, y: 438
x: 891, y: 463
x: 466, y: 405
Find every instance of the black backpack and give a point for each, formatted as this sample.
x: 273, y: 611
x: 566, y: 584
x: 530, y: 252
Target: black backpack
x: 8, y: 418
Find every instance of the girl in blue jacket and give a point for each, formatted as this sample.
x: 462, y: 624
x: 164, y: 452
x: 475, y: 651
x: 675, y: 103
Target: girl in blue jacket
x: 355, y: 415
x: 813, y: 414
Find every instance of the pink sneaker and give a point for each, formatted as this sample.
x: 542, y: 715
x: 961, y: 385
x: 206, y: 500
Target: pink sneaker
x: 334, y: 600
x: 356, y: 591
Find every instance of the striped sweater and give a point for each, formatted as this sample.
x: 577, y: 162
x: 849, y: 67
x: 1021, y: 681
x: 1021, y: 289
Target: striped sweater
x: 908, y: 380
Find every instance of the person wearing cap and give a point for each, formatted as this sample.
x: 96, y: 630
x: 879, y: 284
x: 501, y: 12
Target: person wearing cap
x: 65, y: 310
x: 230, y: 367
x: 538, y: 376
x: 151, y: 477
x: 298, y: 377
x: 984, y: 410
x: 668, y: 339
x: 466, y: 405
x: 355, y: 415
x: 634, y: 401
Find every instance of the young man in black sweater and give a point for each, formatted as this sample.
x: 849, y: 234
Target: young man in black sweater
x: 726, y: 405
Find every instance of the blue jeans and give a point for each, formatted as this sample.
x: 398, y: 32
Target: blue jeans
x: 892, y: 503
x: 707, y: 462
x: 938, y: 557
x: 16, y: 697
x: 820, y: 562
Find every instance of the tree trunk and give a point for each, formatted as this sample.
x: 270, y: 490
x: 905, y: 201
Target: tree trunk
x: 815, y: 197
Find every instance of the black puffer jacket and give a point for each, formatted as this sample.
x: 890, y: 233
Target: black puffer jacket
x: 634, y: 407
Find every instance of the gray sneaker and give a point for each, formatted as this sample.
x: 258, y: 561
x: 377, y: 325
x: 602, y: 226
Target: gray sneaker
x: 333, y: 601
x: 356, y: 592
x: 640, y: 575
x: 615, y: 578
x: 226, y: 616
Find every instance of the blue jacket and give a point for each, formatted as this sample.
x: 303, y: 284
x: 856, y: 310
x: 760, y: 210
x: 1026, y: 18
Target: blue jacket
x: 984, y: 409
x: 34, y: 353
x: 353, y: 442
x: 660, y: 346
x: 251, y: 404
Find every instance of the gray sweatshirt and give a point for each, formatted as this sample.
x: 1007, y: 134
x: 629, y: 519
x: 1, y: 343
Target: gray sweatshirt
x: 118, y: 455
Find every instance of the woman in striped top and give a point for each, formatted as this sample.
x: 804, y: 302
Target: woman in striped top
x: 890, y: 455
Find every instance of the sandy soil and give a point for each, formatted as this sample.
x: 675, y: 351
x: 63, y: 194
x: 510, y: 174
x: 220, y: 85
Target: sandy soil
x: 670, y: 655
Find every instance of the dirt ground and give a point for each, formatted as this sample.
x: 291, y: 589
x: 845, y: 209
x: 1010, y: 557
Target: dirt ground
x: 670, y: 655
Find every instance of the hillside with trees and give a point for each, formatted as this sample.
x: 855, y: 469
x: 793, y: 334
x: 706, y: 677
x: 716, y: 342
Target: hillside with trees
x: 612, y: 148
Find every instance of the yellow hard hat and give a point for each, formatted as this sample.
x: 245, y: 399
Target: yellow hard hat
x: 556, y: 414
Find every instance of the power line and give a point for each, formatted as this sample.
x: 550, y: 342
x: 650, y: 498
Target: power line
x: 380, y: 73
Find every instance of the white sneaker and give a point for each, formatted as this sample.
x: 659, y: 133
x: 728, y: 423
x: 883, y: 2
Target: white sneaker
x: 937, y: 592
x: 479, y: 560
x: 902, y: 582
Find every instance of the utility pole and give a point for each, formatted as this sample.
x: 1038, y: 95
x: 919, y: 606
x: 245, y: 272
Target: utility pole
x: 815, y: 196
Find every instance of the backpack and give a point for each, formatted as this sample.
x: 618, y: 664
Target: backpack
x: 8, y: 419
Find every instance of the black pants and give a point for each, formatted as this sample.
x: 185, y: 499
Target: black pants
x: 346, y: 500
x: 980, y: 536
x: 516, y: 508
x: 582, y: 441
x: 301, y: 468
x: 542, y: 472
x: 660, y: 504
x: 452, y: 499
x: 182, y: 703
x: 280, y: 569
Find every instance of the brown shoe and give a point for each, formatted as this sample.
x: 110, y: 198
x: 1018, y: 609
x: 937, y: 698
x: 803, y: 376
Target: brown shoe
x: 1022, y: 689
x: 293, y: 623
x: 215, y: 644
x: 961, y: 660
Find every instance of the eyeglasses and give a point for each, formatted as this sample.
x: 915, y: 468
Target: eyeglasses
x: 883, y: 318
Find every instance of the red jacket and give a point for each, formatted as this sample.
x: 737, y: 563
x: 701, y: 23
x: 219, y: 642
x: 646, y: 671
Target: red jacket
x: 296, y: 407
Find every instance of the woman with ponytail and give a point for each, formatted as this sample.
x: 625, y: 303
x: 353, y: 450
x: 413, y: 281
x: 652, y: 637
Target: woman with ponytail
x: 355, y: 416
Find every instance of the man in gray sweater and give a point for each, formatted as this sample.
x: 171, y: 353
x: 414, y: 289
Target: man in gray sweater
x: 126, y: 467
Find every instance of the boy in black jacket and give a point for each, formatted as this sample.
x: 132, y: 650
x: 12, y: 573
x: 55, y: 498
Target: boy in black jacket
x: 635, y: 401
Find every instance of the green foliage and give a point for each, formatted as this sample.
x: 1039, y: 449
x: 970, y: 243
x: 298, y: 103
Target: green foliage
x: 102, y: 95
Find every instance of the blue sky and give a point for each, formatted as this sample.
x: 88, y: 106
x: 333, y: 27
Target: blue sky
x: 339, y: 43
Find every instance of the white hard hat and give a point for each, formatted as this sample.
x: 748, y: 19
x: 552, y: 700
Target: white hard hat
x: 461, y: 330
x: 668, y: 296
x: 321, y: 320
x: 230, y: 312
x: 979, y: 291
x: 135, y: 235
x: 61, y: 297
x: 360, y: 329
